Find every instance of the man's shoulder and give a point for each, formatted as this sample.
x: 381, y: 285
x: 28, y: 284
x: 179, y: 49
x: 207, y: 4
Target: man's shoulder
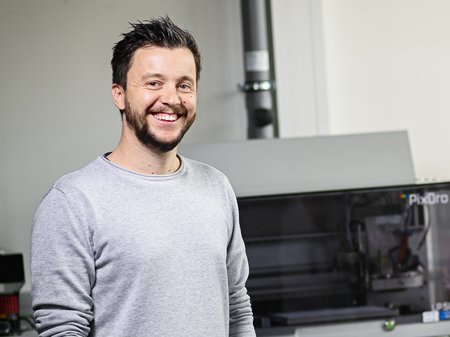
x: 203, y: 168
x: 85, y: 176
x: 209, y: 177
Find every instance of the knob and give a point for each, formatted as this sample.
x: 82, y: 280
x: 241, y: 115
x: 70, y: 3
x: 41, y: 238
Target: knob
x: 389, y: 325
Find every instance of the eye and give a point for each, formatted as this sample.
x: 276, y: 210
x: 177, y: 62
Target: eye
x: 153, y: 84
x: 185, y: 87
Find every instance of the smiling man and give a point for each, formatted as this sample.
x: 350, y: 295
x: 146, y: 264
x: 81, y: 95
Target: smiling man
x: 142, y: 241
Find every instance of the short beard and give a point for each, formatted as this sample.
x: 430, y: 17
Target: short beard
x: 139, y: 124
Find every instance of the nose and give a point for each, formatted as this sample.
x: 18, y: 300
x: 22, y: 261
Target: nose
x: 170, y: 96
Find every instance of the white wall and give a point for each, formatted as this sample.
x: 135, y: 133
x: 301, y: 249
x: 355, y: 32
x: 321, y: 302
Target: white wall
x: 300, y: 67
x: 388, y: 68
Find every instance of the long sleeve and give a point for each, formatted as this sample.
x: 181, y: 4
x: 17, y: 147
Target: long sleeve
x: 241, y: 316
x: 62, y: 269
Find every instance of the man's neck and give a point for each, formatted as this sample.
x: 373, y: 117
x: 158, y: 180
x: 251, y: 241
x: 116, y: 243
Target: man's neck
x: 136, y: 157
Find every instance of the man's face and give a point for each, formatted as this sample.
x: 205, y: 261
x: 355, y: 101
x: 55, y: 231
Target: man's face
x: 160, y: 100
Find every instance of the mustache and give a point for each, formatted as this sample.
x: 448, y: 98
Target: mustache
x: 177, y: 109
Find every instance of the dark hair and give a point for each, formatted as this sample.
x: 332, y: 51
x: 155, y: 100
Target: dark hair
x: 160, y: 32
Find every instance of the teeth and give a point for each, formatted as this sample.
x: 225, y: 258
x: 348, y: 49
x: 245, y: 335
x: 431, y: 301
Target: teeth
x: 166, y: 117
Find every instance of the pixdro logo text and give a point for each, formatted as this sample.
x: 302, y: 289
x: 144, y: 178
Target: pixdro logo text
x: 430, y: 198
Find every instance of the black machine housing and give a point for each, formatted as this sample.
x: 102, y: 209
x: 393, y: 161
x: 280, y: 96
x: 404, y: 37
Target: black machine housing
x: 12, y: 278
x: 347, y: 255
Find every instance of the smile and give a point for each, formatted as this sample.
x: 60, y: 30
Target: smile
x: 165, y: 117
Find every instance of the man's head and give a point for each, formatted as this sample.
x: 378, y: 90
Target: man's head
x: 161, y: 32
x: 155, y: 71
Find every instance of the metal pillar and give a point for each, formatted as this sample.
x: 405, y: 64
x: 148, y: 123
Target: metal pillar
x: 259, y: 87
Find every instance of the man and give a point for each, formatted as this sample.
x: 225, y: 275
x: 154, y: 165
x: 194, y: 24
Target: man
x: 143, y: 242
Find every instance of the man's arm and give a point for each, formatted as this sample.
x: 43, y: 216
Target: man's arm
x: 62, y: 267
x: 241, y: 316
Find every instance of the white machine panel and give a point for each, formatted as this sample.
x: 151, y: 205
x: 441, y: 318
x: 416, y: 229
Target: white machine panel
x: 280, y: 166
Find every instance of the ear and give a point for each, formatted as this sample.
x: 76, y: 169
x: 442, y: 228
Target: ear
x: 118, y: 96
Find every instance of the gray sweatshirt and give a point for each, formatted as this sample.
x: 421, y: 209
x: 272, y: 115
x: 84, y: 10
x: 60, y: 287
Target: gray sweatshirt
x: 118, y: 254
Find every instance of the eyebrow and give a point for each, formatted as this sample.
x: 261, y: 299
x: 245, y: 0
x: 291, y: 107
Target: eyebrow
x: 187, y: 78
x: 150, y: 75
x: 161, y: 76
